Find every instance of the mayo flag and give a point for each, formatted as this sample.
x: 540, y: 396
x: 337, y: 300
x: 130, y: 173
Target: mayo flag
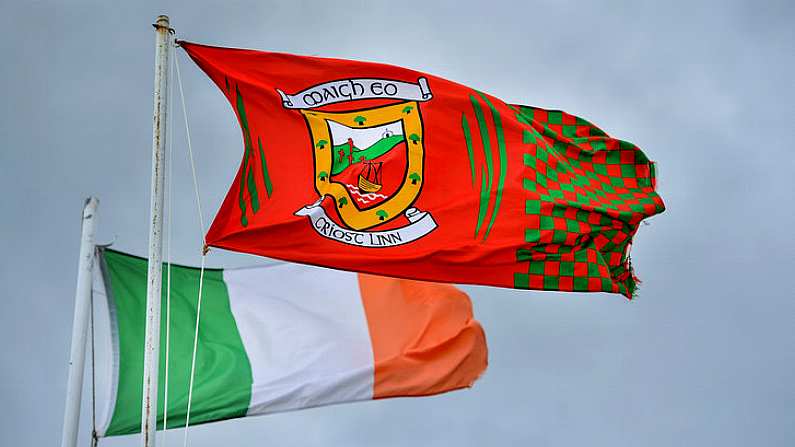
x: 285, y: 337
x: 380, y: 169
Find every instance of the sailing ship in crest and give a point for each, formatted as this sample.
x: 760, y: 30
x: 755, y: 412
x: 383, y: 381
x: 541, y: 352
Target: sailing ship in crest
x: 370, y: 178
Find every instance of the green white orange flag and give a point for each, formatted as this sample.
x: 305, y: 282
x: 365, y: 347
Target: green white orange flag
x: 285, y: 337
x: 380, y: 169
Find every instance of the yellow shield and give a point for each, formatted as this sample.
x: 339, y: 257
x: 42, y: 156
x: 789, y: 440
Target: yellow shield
x: 352, y: 145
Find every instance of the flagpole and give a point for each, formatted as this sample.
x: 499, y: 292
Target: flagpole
x: 153, y: 285
x: 77, y: 353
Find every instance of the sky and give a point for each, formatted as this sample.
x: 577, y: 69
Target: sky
x: 704, y: 356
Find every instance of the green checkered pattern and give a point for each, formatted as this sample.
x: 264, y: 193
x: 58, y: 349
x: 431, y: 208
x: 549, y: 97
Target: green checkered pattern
x: 586, y: 195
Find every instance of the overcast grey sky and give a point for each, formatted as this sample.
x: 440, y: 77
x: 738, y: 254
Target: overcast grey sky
x: 705, y: 356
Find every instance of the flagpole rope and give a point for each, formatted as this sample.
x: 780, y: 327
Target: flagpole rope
x: 195, y: 345
x: 203, y: 251
x: 169, y: 216
x: 190, y: 150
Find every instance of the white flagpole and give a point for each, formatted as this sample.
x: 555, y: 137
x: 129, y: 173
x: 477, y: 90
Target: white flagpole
x: 153, y: 285
x: 77, y: 353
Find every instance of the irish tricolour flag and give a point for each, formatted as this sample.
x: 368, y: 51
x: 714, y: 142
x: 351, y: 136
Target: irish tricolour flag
x: 284, y: 337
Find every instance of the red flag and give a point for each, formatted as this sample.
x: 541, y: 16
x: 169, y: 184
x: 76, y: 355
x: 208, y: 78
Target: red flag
x: 381, y: 169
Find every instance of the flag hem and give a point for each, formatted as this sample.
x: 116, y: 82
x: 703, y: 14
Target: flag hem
x: 114, y: 335
x: 219, y: 245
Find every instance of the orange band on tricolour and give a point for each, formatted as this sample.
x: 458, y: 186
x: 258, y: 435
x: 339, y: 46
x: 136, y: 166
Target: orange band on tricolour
x: 434, y: 346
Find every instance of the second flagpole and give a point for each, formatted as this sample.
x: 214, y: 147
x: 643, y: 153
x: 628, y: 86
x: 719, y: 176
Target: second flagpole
x: 77, y: 353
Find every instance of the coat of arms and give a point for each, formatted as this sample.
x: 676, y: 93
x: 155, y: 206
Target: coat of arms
x: 369, y: 161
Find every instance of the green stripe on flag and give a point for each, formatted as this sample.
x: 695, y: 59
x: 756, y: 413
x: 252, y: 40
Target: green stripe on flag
x: 247, y: 175
x: 265, y: 176
x: 484, y: 137
x: 252, y: 188
x: 495, y: 114
x: 484, y: 200
x: 470, y: 151
x: 219, y: 393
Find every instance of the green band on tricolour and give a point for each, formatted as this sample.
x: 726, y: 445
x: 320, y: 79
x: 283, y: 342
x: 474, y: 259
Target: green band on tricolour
x: 222, y: 384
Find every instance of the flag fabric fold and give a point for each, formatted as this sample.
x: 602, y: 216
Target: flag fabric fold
x: 379, y: 169
x: 285, y: 337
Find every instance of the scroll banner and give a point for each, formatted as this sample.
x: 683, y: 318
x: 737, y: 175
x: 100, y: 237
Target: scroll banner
x: 421, y: 223
x: 353, y: 89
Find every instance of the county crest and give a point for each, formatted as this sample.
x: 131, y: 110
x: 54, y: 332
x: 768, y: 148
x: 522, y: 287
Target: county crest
x: 369, y: 161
